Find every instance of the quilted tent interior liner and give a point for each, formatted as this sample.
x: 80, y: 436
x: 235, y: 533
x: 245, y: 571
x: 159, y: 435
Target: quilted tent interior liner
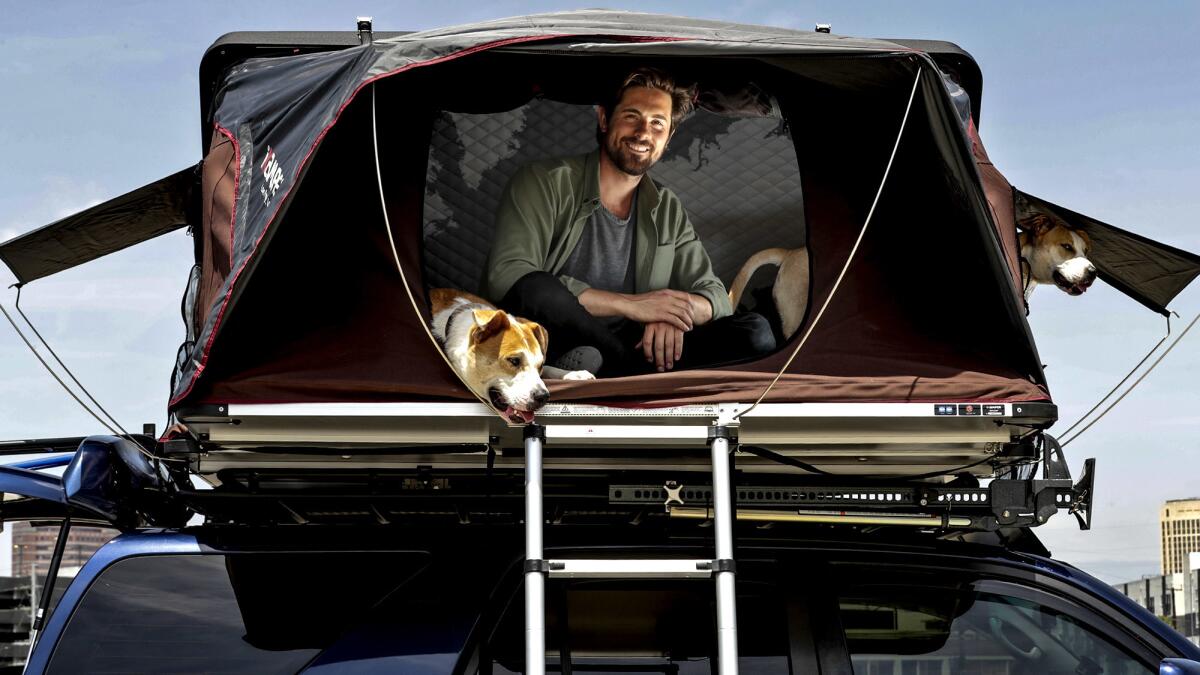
x: 326, y: 318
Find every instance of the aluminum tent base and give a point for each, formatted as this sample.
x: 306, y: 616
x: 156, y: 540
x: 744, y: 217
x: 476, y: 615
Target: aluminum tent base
x: 847, y: 438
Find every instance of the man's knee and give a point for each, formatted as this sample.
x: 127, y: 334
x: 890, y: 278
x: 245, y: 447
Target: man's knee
x: 533, y: 293
x: 759, y: 339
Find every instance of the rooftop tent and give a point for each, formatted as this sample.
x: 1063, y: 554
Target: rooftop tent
x: 300, y: 298
x: 296, y: 296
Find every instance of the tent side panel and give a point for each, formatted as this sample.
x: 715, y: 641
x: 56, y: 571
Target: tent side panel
x: 219, y: 194
x: 327, y: 317
x: 1000, y: 198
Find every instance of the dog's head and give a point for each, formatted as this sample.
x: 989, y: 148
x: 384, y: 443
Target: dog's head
x: 507, y: 354
x: 1057, y: 254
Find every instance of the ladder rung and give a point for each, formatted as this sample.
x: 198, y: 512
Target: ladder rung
x: 631, y: 569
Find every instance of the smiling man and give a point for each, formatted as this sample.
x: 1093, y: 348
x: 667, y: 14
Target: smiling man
x: 606, y: 259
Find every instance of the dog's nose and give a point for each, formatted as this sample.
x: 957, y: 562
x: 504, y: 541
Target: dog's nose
x: 540, y: 397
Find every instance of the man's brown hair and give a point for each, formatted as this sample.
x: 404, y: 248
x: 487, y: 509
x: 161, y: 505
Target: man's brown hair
x: 653, y: 78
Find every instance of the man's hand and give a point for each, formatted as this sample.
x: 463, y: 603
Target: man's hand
x: 662, y: 343
x: 664, y: 306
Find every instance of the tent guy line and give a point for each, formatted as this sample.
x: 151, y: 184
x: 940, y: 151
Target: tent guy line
x: 1135, y: 383
x: 1123, y: 380
x: 115, y: 428
x: 17, y: 306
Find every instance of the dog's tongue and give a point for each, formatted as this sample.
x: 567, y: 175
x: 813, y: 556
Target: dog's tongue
x: 525, y: 416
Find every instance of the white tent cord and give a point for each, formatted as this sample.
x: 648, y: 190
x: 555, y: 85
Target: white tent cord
x: 117, y: 431
x: 849, y: 258
x: 1118, y: 385
x: 399, y: 267
x: 1135, y: 383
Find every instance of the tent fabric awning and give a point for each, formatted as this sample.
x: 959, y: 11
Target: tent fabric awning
x: 121, y: 222
x: 1147, y: 271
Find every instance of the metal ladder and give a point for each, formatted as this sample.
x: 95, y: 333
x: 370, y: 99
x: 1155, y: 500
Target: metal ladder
x: 537, y: 569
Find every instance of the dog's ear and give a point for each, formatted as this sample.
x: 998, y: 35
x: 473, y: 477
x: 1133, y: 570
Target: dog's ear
x: 488, y: 323
x: 1037, y: 224
x: 542, y: 336
x: 1087, y: 241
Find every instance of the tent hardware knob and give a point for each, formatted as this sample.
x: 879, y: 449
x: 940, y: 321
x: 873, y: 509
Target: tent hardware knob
x: 365, y: 34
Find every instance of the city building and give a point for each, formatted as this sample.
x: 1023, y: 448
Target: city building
x: 18, y: 597
x: 1179, y: 524
x: 16, y: 616
x: 33, y: 546
x: 1175, y: 598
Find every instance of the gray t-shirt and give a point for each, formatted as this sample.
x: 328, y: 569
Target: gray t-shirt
x: 603, y: 258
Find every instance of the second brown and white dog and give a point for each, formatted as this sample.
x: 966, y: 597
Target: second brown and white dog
x: 499, y: 356
x: 1052, y: 253
x: 790, y: 290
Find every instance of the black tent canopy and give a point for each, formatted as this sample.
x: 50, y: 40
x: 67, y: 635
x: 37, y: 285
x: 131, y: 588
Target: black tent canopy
x: 297, y: 282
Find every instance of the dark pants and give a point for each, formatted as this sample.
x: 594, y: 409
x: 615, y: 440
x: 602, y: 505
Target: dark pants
x: 541, y: 297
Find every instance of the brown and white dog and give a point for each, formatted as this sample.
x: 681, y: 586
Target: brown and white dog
x: 499, y: 356
x: 1052, y: 253
x: 790, y: 290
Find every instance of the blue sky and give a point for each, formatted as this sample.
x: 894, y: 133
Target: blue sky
x: 1093, y: 105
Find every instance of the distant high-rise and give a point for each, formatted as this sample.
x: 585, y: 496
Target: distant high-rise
x: 33, y: 547
x: 1179, y: 522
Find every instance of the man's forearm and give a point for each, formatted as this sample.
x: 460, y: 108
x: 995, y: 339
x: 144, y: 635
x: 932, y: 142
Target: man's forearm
x: 607, y: 303
x: 604, y: 303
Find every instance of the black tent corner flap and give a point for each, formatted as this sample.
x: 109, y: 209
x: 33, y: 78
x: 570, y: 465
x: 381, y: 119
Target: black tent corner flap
x: 121, y: 222
x: 1150, y: 272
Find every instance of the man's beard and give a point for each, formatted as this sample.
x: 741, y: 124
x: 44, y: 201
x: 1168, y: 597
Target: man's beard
x: 625, y: 159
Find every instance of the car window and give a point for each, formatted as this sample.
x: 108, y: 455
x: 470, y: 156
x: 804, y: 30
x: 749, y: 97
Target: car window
x: 976, y: 628
x: 247, y: 613
x: 32, y: 551
x: 643, y: 627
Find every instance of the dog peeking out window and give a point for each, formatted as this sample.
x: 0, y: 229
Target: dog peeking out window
x: 1054, y: 254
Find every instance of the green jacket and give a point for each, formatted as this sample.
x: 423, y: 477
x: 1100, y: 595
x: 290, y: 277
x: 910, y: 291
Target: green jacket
x: 542, y: 214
